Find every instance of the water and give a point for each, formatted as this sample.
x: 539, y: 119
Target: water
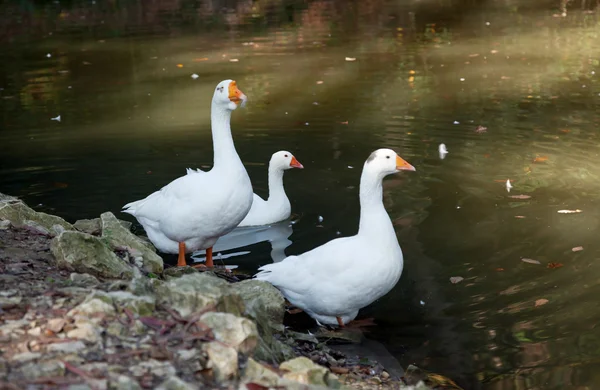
x: 424, y: 73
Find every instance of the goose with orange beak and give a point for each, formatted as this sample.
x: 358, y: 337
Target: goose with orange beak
x: 193, y: 211
x: 331, y: 283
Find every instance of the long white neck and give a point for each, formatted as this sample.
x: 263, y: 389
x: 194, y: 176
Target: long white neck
x: 373, y: 217
x: 276, y: 190
x: 225, y: 153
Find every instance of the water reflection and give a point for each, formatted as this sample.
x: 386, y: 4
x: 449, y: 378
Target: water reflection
x: 276, y: 234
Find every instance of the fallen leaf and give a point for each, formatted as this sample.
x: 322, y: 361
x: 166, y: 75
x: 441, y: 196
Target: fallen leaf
x: 180, y: 65
x: 520, y: 216
x: 554, y: 265
x: 320, y: 82
x: 566, y: 131
x: 456, y: 279
x: 234, y: 60
x: 350, y: 59
x: 519, y: 196
x: 577, y: 249
x: 474, y: 55
x: 568, y: 211
x: 200, y: 59
x: 411, y: 72
x: 540, y: 302
x: 540, y: 159
x: 530, y: 261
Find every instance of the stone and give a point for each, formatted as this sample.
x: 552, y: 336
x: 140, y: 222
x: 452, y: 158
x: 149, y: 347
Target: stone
x: 68, y: 347
x: 140, y: 305
x: 85, y: 331
x: 255, y: 372
x: 84, y: 280
x: 195, y: 292
x: 177, y: 272
x: 10, y: 326
x: 94, y: 226
x: 154, y: 367
x: 237, y: 332
x: 223, y: 360
x: 304, y: 370
x: 8, y: 302
x: 26, y: 356
x: 47, y: 368
x: 4, y: 224
x: 96, y: 302
x: 123, y: 382
x: 84, y: 253
x: 261, y: 300
x: 119, y: 237
x: 174, y: 383
x: 20, y: 215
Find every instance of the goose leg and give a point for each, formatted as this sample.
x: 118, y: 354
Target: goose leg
x: 181, y: 259
x: 209, y: 260
x: 340, y: 322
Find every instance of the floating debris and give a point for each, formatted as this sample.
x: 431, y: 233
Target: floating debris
x: 350, y: 167
x: 530, y: 261
x: 443, y: 151
x: 350, y: 59
x: 519, y: 196
x: 480, y: 129
x: 234, y: 60
x: 320, y: 219
x: 456, y: 279
x: 320, y: 82
x: 456, y: 122
x: 577, y: 249
x: 568, y: 211
x: 540, y: 302
x: 508, y: 185
x: 56, y: 119
x: 48, y: 55
x: 195, y: 76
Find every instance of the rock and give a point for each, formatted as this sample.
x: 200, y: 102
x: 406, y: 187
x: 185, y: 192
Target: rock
x: 37, y: 228
x: 20, y: 215
x: 26, y: 356
x: 84, y: 253
x: 237, y: 332
x: 154, y: 367
x: 262, y: 300
x: 119, y: 236
x: 123, y: 382
x: 47, y: 368
x: 177, y: 272
x: 85, y: 331
x: 194, y: 292
x: 140, y: 305
x: 8, y: 302
x: 68, y: 347
x: 174, y: 383
x: 96, y: 302
x: 255, y: 372
x: 94, y: 226
x: 223, y: 360
x: 10, y: 326
x: 4, y: 224
x: 84, y: 280
x: 303, y: 370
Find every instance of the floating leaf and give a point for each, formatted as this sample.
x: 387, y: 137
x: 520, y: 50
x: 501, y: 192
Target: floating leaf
x: 350, y: 59
x: 234, y: 60
x: 540, y: 302
x: 456, y: 279
x: 530, y: 261
x: 519, y: 196
x: 520, y: 216
x: 180, y: 65
x: 554, y: 265
x: 568, y: 211
x: 320, y: 82
x: 540, y: 159
x: 577, y: 249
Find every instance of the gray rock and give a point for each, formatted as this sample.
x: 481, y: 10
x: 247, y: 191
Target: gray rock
x: 55, y: 324
x: 174, y: 383
x: 84, y: 253
x: 46, y: 368
x: 94, y: 226
x: 140, y: 305
x: 96, y: 302
x: 119, y: 236
x: 85, y: 330
x: 303, y: 370
x: 84, y: 280
x: 223, y: 360
x: 194, y: 292
x: 123, y: 382
x: 237, y: 332
x: 26, y: 356
x: 19, y: 214
x: 255, y: 372
x: 4, y: 224
x: 154, y: 367
x: 68, y: 347
x: 177, y: 272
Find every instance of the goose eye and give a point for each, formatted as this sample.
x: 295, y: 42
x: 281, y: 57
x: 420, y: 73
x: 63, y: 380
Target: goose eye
x: 286, y: 155
x: 387, y: 156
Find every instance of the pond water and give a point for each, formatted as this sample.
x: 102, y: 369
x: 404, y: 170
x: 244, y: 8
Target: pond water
x: 331, y: 81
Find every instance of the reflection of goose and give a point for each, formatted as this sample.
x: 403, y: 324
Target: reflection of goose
x: 277, y: 234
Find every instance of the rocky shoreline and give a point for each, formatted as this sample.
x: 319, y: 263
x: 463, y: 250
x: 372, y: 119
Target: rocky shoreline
x: 91, y: 306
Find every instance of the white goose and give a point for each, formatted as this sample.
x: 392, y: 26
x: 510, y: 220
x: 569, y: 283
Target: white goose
x: 330, y: 282
x: 277, y: 206
x: 193, y: 211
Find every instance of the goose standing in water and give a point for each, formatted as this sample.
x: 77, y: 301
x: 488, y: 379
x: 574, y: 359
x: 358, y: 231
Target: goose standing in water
x: 193, y: 211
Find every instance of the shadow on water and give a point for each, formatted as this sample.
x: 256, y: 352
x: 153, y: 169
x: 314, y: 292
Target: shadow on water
x: 510, y: 87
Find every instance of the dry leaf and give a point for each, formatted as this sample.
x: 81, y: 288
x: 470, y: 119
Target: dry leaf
x: 180, y: 65
x: 577, y: 249
x: 200, y: 59
x: 520, y: 216
x: 530, y: 261
x: 540, y: 159
x: 520, y: 196
x: 350, y: 59
x: 568, y: 211
x: 456, y: 279
x: 540, y: 302
x: 554, y: 265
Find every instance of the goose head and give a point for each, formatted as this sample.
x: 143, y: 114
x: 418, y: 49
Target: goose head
x: 383, y: 162
x: 228, y: 96
x: 284, y: 160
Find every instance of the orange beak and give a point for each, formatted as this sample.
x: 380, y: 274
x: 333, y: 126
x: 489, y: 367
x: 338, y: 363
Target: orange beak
x: 295, y: 163
x: 235, y: 95
x: 402, y: 165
